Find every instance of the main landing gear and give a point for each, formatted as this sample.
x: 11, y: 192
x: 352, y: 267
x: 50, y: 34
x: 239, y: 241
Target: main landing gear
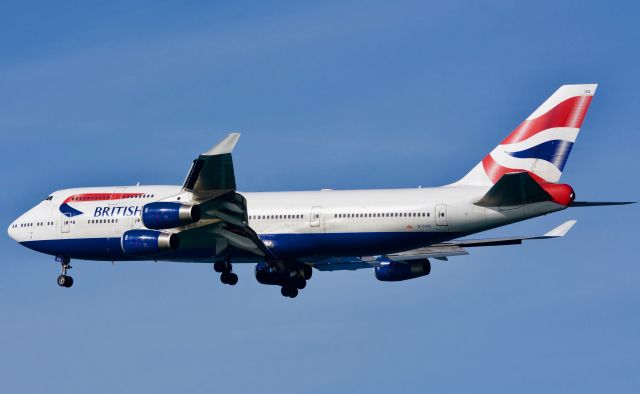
x: 297, y: 281
x: 64, y: 280
x: 289, y: 291
x: 291, y: 279
x: 226, y: 276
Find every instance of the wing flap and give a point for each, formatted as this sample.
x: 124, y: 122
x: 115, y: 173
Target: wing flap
x: 438, y: 251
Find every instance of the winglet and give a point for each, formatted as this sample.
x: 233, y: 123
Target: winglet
x: 561, y: 230
x: 224, y: 146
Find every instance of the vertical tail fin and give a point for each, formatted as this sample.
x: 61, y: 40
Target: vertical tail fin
x: 541, y: 144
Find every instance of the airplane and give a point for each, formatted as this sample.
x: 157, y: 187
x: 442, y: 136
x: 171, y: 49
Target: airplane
x: 286, y: 235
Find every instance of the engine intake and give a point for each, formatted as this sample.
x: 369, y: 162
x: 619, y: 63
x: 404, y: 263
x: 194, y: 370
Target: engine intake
x: 394, y: 271
x: 148, y: 242
x: 163, y: 215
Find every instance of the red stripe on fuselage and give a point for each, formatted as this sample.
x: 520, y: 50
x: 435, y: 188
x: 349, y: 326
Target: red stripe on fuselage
x: 86, y: 197
x: 569, y: 113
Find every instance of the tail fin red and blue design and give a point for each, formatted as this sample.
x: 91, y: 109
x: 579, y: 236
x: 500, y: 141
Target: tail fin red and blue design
x: 541, y: 144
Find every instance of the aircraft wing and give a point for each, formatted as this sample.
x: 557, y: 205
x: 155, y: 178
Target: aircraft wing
x: 457, y: 248
x: 212, y: 185
x: 439, y: 251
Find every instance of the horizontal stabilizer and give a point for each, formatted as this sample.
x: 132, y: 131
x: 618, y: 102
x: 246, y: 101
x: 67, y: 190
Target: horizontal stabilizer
x: 599, y: 203
x: 514, y: 189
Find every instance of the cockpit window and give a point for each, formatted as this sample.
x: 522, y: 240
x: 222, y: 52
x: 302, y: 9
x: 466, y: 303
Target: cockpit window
x: 49, y: 198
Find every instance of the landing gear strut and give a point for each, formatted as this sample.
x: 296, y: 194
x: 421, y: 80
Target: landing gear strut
x: 226, y: 276
x: 64, y: 280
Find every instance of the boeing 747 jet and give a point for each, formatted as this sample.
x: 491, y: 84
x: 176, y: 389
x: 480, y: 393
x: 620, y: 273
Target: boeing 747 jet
x: 288, y: 234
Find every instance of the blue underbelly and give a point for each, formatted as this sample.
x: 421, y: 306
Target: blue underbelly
x: 350, y: 244
x: 286, y: 246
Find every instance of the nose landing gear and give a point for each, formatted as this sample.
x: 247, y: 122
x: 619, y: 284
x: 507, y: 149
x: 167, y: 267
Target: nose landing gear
x: 64, y: 280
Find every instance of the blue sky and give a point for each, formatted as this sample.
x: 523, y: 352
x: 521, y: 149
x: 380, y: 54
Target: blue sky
x: 334, y: 94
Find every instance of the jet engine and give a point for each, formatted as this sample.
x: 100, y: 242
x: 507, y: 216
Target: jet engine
x: 163, y: 215
x: 397, y: 271
x: 148, y: 242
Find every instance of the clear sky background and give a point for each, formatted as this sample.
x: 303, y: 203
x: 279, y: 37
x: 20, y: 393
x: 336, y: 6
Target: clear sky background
x: 331, y: 94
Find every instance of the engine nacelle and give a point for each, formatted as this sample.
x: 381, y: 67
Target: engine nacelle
x: 148, y: 242
x: 394, y: 271
x: 163, y: 215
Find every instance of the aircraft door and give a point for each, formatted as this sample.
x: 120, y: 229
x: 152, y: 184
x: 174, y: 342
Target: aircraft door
x: 441, y: 215
x: 315, y: 219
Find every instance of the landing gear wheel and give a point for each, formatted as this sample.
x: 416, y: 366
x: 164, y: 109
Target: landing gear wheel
x: 289, y: 291
x: 298, y: 282
x: 220, y: 266
x: 229, y: 278
x: 65, y: 265
x: 65, y: 281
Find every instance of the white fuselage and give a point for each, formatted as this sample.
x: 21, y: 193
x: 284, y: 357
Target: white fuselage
x: 295, y: 224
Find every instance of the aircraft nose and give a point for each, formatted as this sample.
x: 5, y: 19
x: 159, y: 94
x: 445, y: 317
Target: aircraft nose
x: 12, y: 231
